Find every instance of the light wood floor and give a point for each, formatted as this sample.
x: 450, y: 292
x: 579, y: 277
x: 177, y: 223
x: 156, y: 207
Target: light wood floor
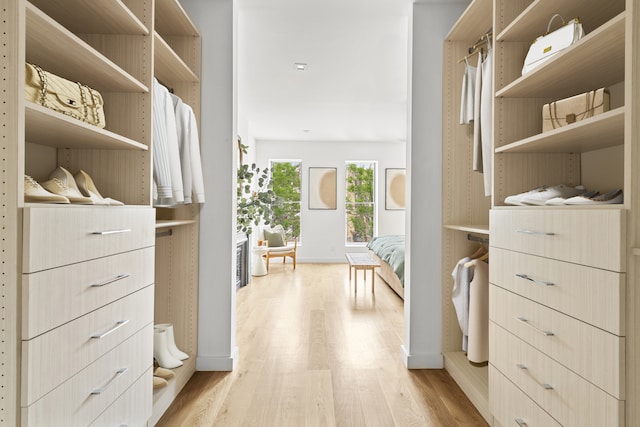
x: 314, y: 353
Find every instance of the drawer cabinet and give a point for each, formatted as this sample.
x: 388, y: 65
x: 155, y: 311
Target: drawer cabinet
x: 51, y: 358
x: 593, y: 353
x: 567, y: 397
x: 80, y: 399
x: 590, y: 237
x: 511, y: 407
x: 53, y: 297
x: 592, y: 295
x: 55, y: 236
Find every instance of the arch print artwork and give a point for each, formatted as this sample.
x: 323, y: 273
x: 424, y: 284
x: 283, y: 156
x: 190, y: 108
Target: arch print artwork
x: 323, y: 188
x: 395, y: 184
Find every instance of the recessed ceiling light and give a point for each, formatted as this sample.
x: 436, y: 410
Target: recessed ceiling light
x: 306, y: 130
x: 300, y: 66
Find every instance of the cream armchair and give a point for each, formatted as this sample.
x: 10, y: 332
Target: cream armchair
x: 279, y: 245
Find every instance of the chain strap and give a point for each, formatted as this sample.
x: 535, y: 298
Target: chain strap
x: 83, y: 99
x: 588, y: 110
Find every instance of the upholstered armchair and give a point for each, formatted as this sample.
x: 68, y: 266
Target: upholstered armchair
x: 279, y: 246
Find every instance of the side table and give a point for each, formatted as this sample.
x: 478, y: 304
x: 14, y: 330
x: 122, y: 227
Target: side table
x: 258, y: 267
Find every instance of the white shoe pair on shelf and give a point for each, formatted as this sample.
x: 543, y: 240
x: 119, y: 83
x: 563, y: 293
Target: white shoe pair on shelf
x: 165, y: 350
x: 561, y: 194
x: 63, y: 187
x: 161, y: 377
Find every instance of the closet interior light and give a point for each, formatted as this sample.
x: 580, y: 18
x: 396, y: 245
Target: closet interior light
x: 300, y: 66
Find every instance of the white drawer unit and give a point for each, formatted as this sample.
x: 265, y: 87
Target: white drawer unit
x: 55, y: 236
x: 590, y: 237
x: 566, y: 396
x: 53, y: 297
x: 511, y: 407
x: 596, y: 355
x: 51, y: 358
x: 592, y: 295
x: 133, y: 407
x: 80, y: 399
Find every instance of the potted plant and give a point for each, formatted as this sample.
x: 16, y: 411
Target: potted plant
x: 255, y: 195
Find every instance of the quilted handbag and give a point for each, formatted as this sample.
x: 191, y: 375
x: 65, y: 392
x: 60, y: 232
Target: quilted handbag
x: 570, y: 110
x: 72, y: 99
x: 547, y: 46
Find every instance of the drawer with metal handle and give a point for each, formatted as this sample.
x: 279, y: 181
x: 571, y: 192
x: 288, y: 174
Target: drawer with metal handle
x: 585, y: 349
x: 566, y: 396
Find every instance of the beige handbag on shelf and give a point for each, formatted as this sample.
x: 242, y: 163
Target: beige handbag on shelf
x: 570, y: 110
x: 72, y: 99
x: 545, y: 47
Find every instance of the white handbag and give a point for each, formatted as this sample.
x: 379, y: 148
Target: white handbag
x: 547, y: 46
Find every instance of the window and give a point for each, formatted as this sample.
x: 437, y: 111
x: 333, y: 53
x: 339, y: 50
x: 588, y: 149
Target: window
x: 286, y: 176
x: 360, y: 205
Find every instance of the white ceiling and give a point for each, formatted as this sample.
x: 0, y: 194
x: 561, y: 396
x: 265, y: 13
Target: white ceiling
x: 355, y: 88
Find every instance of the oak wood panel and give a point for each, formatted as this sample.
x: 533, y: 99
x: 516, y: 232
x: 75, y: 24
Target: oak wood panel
x: 171, y: 19
x: 571, y: 399
x: 169, y: 67
x: 305, y: 328
x: 73, y: 404
x: 44, y: 369
x: 589, y: 294
x: 53, y: 297
x: 596, y: 355
x: 509, y: 403
x: 474, y: 22
x: 72, y: 239
x: 473, y: 380
x: 589, y: 237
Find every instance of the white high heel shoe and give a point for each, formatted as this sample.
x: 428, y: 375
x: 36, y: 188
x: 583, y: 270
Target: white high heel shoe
x: 88, y: 188
x: 61, y: 182
x: 171, y: 343
x: 161, y: 350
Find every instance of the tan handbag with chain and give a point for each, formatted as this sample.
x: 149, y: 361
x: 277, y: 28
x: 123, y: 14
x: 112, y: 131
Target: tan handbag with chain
x: 72, y: 99
x: 570, y: 110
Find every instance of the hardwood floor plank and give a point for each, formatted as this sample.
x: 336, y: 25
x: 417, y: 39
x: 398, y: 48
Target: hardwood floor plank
x: 314, y: 353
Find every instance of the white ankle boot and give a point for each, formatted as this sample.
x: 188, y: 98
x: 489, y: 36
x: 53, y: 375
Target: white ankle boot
x: 161, y: 350
x: 171, y: 343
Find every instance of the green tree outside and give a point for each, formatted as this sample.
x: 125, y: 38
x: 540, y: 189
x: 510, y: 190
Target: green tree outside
x: 286, y: 178
x: 359, y: 201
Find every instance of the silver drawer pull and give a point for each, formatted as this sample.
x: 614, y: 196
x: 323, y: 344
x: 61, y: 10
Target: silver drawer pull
x: 107, y: 232
x: 521, y: 422
x: 120, y: 372
x: 537, y: 233
x: 111, y: 280
x: 117, y: 326
x: 543, y: 385
x: 543, y: 332
x: 539, y: 282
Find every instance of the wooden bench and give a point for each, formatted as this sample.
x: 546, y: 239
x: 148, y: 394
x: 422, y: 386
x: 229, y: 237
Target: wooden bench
x: 362, y: 261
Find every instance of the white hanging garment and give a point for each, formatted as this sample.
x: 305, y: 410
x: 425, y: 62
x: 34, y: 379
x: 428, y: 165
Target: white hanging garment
x: 477, y: 134
x: 486, y: 118
x: 478, y: 344
x: 467, y: 93
x: 462, y: 276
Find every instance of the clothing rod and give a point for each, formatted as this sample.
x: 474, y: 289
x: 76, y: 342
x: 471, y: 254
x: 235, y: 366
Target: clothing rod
x: 165, y: 233
x: 477, y: 46
x: 477, y: 239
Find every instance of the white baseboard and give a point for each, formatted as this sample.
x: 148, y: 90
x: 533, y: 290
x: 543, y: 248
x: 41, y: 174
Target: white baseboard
x: 222, y: 364
x: 421, y: 361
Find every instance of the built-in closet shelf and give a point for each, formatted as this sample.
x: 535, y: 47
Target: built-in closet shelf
x: 595, y: 61
x: 532, y: 22
x: 473, y: 23
x: 58, y: 50
x: 167, y: 223
x: 636, y: 251
x: 172, y: 20
x: 478, y: 229
x: 473, y: 380
x: 47, y: 127
x: 162, y: 398
x: 169, y: 67
x: 91, y: 17
x: 601, y: 131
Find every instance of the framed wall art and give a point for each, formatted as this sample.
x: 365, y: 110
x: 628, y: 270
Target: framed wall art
x: 323, y: 188
x: 395, y: 185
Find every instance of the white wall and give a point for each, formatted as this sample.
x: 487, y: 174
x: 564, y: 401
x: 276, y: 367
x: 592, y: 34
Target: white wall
x: 217, y: 349
x: 423, y: 319
x: 323, y: 231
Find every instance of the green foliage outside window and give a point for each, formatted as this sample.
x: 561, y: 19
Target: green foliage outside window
x: 359, y: 201
x: 286, y: 180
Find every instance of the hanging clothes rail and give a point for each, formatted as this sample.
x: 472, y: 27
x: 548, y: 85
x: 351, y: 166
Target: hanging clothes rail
x: 477, y: 46
x: 477, y: 239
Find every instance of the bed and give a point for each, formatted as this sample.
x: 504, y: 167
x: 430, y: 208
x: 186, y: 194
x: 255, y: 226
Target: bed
x: 388, y: 250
